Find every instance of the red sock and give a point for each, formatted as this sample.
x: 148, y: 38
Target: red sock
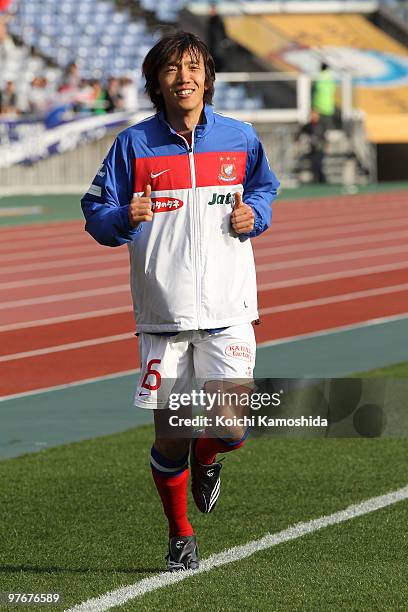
x: 173, y: 494
x: 206, y: 449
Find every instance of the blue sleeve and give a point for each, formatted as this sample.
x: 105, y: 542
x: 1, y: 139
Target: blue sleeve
x: 106, y: 203
x: 260, y: 187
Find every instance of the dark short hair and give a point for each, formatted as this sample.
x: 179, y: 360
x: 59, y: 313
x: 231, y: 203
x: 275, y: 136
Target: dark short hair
x: 163, y: 51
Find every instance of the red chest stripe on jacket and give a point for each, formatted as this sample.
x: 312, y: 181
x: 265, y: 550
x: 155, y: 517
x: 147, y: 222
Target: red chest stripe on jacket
x: 173, y: 172
x: 162, y: 173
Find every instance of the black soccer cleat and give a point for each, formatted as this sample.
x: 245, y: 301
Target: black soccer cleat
x: 183, y: 553
x: 205, y: 482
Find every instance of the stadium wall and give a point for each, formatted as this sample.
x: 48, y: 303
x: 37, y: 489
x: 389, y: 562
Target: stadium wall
x: 74, y: 170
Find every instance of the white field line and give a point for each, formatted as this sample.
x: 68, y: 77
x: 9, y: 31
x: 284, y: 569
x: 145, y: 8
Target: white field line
x: 127, y: 593
x: 327, y: 244
x: 262, y: 287
x: 65, y: 318
x: 334, y: 299
x: 343, y: 274
x: 59, y: 348
x: 67, y: 263
x: 323, y: 259
x: 288, y: 339
x: 74, y: 295
x: 65, y: 278
x: 76, y: 383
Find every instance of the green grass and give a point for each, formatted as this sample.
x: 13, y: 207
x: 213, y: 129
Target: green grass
x: 84, y: 519
x: 398, y: 370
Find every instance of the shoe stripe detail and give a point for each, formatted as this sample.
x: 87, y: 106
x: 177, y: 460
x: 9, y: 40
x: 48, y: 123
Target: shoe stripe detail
x: 214, y: 495
x: 216, y: 490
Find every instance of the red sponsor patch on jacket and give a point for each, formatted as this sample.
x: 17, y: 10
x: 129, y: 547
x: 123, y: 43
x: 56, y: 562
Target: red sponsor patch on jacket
x: 240, y: 350
x: 164, y: 204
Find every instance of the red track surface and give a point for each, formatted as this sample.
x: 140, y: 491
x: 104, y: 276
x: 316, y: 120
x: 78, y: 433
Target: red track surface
x: 324, y: 264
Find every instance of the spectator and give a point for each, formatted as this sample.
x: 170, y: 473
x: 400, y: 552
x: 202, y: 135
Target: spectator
x: 114, y: 95
x: 7, y: 45
x: 71, y: 77
x: 217, y: 38
x: 324, y: 96
x: 316, y: 133
x: 128, y: 92
x: 100, y: 99
x: 38, y: 96
x: 8, y: 100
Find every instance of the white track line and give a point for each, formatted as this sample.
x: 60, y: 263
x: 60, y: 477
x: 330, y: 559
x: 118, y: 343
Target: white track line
x: 41, y: 253
x: 76, y: 383
x: 262, y: 287
x: 68, y: 263
x: 343, y: 274
x: 65, y: 278
x: 104, y: 312
x: 124, y: 594
x: 42, y: 229
x: 69, y: 239
x: 328, y: 244
x: 344, y: 297
x: 323, y: 259
x: 334, y: 299
x: 335, y: 330
x: 275, y: 235
x: 59, y: 348
x: 74, y: 295
x: 288, y: 339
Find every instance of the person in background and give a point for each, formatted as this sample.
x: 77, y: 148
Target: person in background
x: 100, y: 98
x: 316, y: 133
x: 128, y: 92
x: 8, y: 100
x: 217, y: 38
x: 7, y: 45
x: 114, y: 95
x: 324, y: 96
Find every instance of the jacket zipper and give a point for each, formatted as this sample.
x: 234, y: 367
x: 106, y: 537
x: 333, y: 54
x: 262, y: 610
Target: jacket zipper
x: 195, y: 250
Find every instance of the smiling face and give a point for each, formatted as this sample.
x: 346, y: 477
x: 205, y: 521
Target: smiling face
x: 182, y: 85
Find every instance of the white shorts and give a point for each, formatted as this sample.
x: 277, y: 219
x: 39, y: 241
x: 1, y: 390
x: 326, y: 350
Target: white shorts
x: 170, y: 364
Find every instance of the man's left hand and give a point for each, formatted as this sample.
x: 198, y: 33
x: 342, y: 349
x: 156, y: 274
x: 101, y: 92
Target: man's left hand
x: 242, y: 217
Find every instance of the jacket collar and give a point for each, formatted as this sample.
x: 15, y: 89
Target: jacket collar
x: 201, y: 129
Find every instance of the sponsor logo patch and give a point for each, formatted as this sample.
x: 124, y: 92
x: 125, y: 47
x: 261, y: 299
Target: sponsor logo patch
x: 240, y: 350
x: 166, y: 204
x: 222, y: 198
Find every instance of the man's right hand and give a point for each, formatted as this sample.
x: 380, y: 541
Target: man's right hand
x: 140, y: 208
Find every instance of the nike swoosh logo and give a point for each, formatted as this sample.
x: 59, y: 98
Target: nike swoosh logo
x: 153, y: 176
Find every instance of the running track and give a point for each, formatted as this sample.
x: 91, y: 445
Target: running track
x: 65, y: 308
